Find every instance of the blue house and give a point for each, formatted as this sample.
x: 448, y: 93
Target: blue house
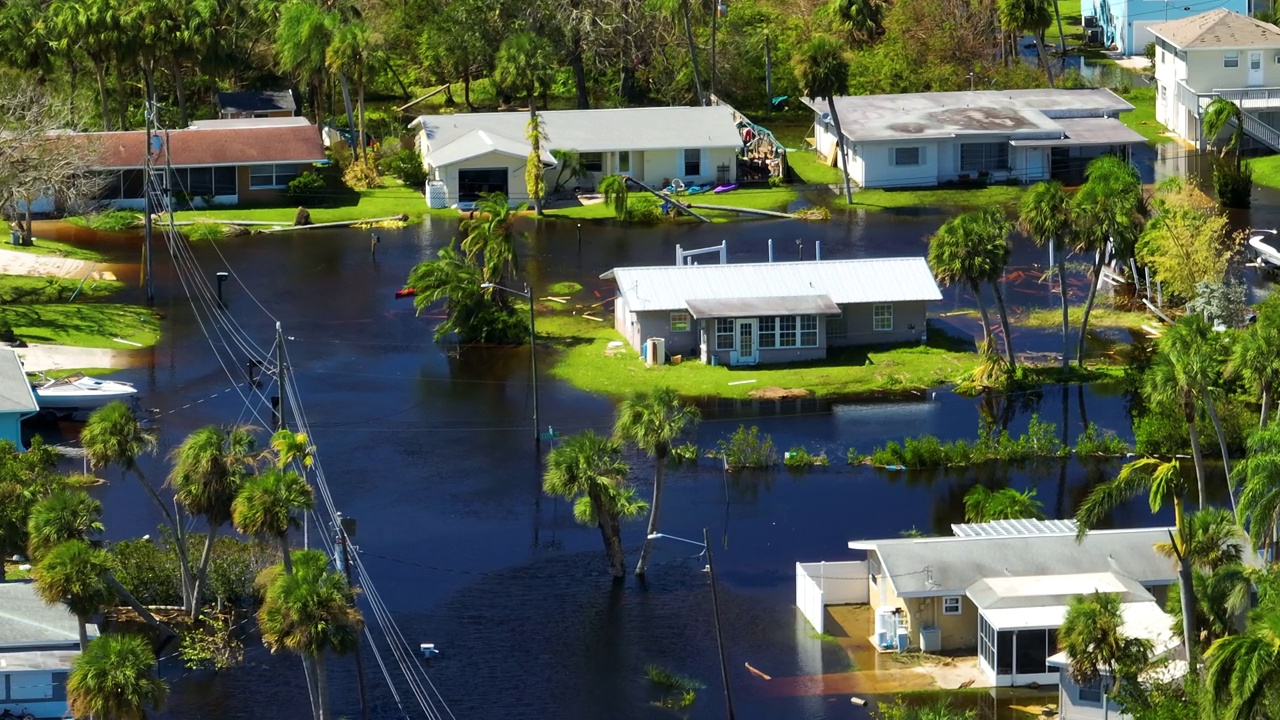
x: 1124, y: 25
x: 17, y: 401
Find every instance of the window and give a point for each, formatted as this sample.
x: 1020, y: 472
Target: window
x: 271, y: 176
x: 1090, y: 692
x: 808, y: 331
x: 1255, y: 61
x: 768, y: 332
x: 724, y: 334
x: 679, y: 322
x: 1164, y: 92
x: 1231, y: 60
x: 906, y: 156
x: 984, y: 157
x: 624, y: 161
x: 592, y: 162
x: 951, y: 605
x: 882, y: 317
x: 837, y: 328
x: 787, y: 331
x: 692, y: 163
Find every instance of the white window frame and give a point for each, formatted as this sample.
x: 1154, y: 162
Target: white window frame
x: 592, y: 161
x: 281, y: 174
x: 624, y: 161
x: 681, y: 322
x: 1231, y: 59
x: 879, y: 312
x: 1252, y: 55
x: 952, y: 608
x: 724, y: 334
x: 898, y: 161
x: 770, y: 332
x: 684, y: 163
x: 990, y: 157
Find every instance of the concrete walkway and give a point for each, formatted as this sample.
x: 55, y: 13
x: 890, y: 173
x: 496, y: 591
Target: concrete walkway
x: 16, y: 262
x: 42, y: 358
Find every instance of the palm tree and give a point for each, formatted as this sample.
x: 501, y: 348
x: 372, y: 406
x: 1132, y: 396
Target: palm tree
x: 1044, y: 215
x: 490, y: 240
x: 670, y: 8
x: 535, y: 176
x: 1220, y: 113
x: 589, y: 470
x: 1107, y: 216
x: 653, y: 422
x: 91, y: 26
x: 311, y: 612
x: 989, y: 231
x: 1253, y: 357
x: 469, y: 312
x: 348, y: 55
x: 115, y: 679
x: 268, y: 504
x: 862, y: 20
x: 1259, y: 508
x: 208, y: 469
x: 955, y: 257
x: 822, y: 71
x: 292, y: 447
x: 523, y: 65
x: 1095, y: 646
x: 303, y: 34
x: 1243, y: 671
x: 982, y: 505
x: 67, y: 514
x: 568, y: 167
x: 73, y: 573
x: 616, y: 193
x: 1028, y: 16
x: 1164, y: 484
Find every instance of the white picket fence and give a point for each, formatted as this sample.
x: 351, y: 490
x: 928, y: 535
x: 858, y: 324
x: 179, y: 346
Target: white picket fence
x: 829, y: 583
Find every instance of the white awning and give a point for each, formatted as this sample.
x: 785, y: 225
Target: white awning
x: 757, y: 306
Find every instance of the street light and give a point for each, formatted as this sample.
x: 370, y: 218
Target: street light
x: 533, y: 350
x: 715, y: 609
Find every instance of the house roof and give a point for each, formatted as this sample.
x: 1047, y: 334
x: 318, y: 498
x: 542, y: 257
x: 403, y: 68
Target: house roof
x: 1019, y: 113
x: 213, y: 142
x: 480, y: 142
x: 257, y: 101
x: 922, y: 567
x: 26, y: 621
x: 16, y: 395
x: 752, y: 306
x: 1144, y: 619
x: 1219, y: 29
x: 604, y: 130
x: 671, y: 287
x: 997, y: 593
x: 1018, y: 527
x: 1080, y: 132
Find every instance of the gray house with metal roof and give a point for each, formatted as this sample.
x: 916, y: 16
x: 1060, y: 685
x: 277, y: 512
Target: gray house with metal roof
x: 17, y: 400
x: 759, y: 313
x: 473, y: 153
x: 38, y: 643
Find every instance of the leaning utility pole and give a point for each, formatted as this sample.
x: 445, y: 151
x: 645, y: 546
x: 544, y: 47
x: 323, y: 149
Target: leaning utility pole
x: 715, y: 609
x: 344, y: 547
x: 280, y: 378
x: 147, y: 209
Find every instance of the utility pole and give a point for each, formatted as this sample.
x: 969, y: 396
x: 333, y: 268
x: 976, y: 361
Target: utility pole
x: 280, y: 377
x: 147, y: 208
x: 715, y: 15
x: 768, y: 71
x: 715, y: 608
x: 533, y: 366
x: 345, y: 549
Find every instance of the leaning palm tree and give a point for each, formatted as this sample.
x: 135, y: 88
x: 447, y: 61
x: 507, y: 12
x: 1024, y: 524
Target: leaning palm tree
x: 588, y: 469
x: 822, y: 71
x: 1097, y: 650
x: 1242, y: 672
x: 982, y: 505
x: 988, y: 230
x: 616, y: 194
x: 74, y: 574
x: 67, y: 514
x: 653, y: 422
x: 489, y: 239
x: 1028, y: 16
x: 311, y: 612
x: 1233, y: 182
x: 1218, y: 115
x: 268, y: 504
x: 523, y: 66
x: 956, y: 258
x: 1253, y: 357
x: 115, y: 679
x: 1044, y: 215
x: 208, y: 469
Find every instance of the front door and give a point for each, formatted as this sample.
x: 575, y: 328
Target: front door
x: 747, y: 351
x: 1255, y: 68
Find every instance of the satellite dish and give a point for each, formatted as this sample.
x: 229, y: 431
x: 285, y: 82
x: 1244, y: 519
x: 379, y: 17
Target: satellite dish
x: 157, y: 142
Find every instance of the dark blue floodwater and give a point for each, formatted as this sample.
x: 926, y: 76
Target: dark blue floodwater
x: 431, y: 453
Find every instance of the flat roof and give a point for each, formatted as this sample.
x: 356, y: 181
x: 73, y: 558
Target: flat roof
x: 1013, y: 528
x: 752, y: 307
x: 671, y: 287
x: 16, y: 395
x: 1088, y: 131
x: 40, y: 660
x: 1145, y: 619
x: 1036, y: 590
x: 26, y: 621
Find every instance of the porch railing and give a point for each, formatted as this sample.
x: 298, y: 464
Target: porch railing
x: 1244, y: 97
x: 1261, y: 131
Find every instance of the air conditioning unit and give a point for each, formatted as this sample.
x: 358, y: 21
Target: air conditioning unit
x: 1095, y: 37
x: 1091, y: 21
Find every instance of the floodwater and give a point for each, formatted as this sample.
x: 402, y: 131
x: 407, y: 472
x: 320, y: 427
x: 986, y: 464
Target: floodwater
x: 431, y: 453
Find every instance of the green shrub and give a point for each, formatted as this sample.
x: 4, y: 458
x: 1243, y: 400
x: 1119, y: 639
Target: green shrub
x: 1095, y: 441
x: 644, y: 210
x: 891, y: 454
x: 114, y: 220
x: 203, y: 231
x: 776, y: 181
x: 926, y: 451
x: 923, y: 451
x: 1234, y: 186
x: 308, y: 183
x: 686, y: 453
x: 406, y: 166
x: 747, y: 448
x: 799, y: 457
x: 1044, y: 438
x: 853, y: 457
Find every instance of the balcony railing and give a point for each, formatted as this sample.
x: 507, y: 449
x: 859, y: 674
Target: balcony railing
x: 1261, y: 131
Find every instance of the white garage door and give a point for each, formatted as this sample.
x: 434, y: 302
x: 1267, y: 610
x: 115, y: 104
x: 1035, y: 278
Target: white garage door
x: 1141, y: 36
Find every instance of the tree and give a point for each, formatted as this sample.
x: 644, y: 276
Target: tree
x: 652, y: 422
x: 1242, y: 671
x: 523, y: 67
x: 535, y: 178
x: 73, y: 573
x: 957, y: 256
x: 1044, y: 215
x: 303, y: 34
x: 1253, y: 357
x: 822, y: 70
x: 616, y: 193
x: 1185, y: 243
x: 67, y: 514
x: 568, y: 167
x: 982, y: 505
x: 469, y: 313
x: 861, y: 20
x: 292, y: 447
x: 92, y: 27
x: 588, y: 470
x: 1028, y: 16
x: 1095, y: 646
x: 1233, y: 182
x: 671, y: 8
x: 489, y: 241
x: 348, y: 55
x: 988, y: 231
x: 1258, y: 477
x: 311, y: 612
x: 268, y: 504
x: 25, y: 479
x: 115, y: 679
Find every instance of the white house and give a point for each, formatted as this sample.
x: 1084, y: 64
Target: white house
x: 925, y: 139
x: 474, y: 153
x: 1218, y: 54
x: 1125, y: 25
x: 749, y: 313
x: 38, y: 643
x: 17, y: 400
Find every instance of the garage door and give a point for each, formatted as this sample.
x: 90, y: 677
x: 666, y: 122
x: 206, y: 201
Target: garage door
x: 472, y: 183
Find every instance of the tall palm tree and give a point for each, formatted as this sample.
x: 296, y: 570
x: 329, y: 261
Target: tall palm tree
x: 1242, y: 672
x: 91, y: 27
x: 1044, y: 214
x: 67, y: 514
x: 74, y: 574
x: 490, y: 240
x: 1164, y: 485
x: 268, y: 505
x: 1253, y: 357
x: 653, y: 421
x: 1106, y: 213
x: 115, y: 679
x: 208, y: 469
x: 347, y: 55
x: 982, y: 505
x: 588, y: 469
x: 1258, y: 510
x: 311, y: 612
x: 1097, y: 649
x: 955, y: 257
x: 523, y: 66
x: 303, y: 33
x: 989, y: 231
x: 671, y: 8
x: 1028, y: 16
x: 822, y: 70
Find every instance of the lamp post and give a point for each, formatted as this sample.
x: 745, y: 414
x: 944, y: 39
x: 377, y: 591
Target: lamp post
x: 533, y: 351
x: 715, y: 610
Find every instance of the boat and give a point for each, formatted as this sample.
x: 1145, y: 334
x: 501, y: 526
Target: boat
x: 81, y: 392
x: 1266, y: 247
x: 725, y: 188
x: 698, y: 189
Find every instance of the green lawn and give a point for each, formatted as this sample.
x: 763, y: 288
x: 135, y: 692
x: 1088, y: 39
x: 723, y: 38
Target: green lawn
x: 751, y: 198
x: 27, y: 289
x: 393, y: 199
x: 792, y: 130
x: 582, y: 360
x: 1143, y: 117
x: 880, y: 199
x: 40, y: 246
x: 1266, y: 170
x: 1098, y: 317
x: 83, y: 324
x: 1072, y: 23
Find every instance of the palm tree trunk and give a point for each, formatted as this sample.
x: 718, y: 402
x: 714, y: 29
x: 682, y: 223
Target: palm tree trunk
x: 466, y: 90
x: 123, y: 593
x: 346, y: 102
x: 1222, y: 445
x: 322, y: 688
x: 313, y: 679
x: 1197, y: 458
x: 982, y: 311
x: 175, y: 71
x: 1062, y: 37
x: 533, y: 120
x: 1186, y: 596
x: 579, y: 67
x: 844, y: 161
x: 364, y: 146
x: 659, y: 477
x: 1004, y: 325
x: 1088, y: 306
x: 1266, y: 406
x: 613, y: 541
x: 693, y: 58
x: 1044, y: 59
x: 193, y: 604
x: 122, y: 97
x: 1062, y: 294
x: 286, y: 558
x: 83, y: 622
x: 100, y: 72
x: 184, y: 561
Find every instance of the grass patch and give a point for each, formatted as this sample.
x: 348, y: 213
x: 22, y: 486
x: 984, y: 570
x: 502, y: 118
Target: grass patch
x: 1266, y: 170
x: 109, y: 221
x: 1143, y: 117
x: 28, y: 289
x: 1099, y: 317
x: 568, y: 287
x: 1072, y: 24
x: 40, y: 246
x: 885, y: 199
x: 391, y: 199
x: 83, y: 324
x: 824, y: 637
x: 793, y: 131
x: 203, y: 231
x: 11, y: 572
x: 585, y: 360
x: 775, y: 199
x: 63, y: 372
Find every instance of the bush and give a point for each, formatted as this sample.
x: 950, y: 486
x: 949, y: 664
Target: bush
x: 644, y: 210
x: 747, y: 448
x: 1161, y: 431
x: 799, y: 457
x: 210, y: 644
x: 149, y: 569
x: 361, y: 174
x: 926, y: 451
x: 308, y: 183
x: 203, y: 231
x: 406, y: 166
x: 1233, y: 185
x: 114, y: 220
x: 1095, y: 442
x: 853, y: 457
x: 686, y: 453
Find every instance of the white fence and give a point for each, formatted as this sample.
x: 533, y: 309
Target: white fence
x: 829, y: 583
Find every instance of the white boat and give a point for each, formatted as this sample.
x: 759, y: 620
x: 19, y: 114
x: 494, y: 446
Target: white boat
x: 80, y: 392
x: 1266, y: 246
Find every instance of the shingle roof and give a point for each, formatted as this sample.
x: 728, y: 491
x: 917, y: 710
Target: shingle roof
x: 604, y: 130
x: 15, y: 389
x: 257, y: 101
x: 1219, y: 29
x: 903, y: 279
x: 231, y: 142
x: 27, y: 621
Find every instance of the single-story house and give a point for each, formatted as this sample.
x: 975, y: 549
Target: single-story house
x: 925, y: 139
x: 474, y: 153
x: 38, y: 643
x: 17, y: 401
x: 773, y: 312
x: 256, y: 104
x: 1126, y: 25
x: 1085, y: 702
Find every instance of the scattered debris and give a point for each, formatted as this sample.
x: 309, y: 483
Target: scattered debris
x: 589, y: 316
x: 777, y: 393
x: 757, y: 673
x: 741, y: 382
x: 857, y: 701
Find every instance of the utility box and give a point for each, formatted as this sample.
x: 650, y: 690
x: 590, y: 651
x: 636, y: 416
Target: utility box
x: 437, y: 195
x: 655, y: 351
x: 930, y: 639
